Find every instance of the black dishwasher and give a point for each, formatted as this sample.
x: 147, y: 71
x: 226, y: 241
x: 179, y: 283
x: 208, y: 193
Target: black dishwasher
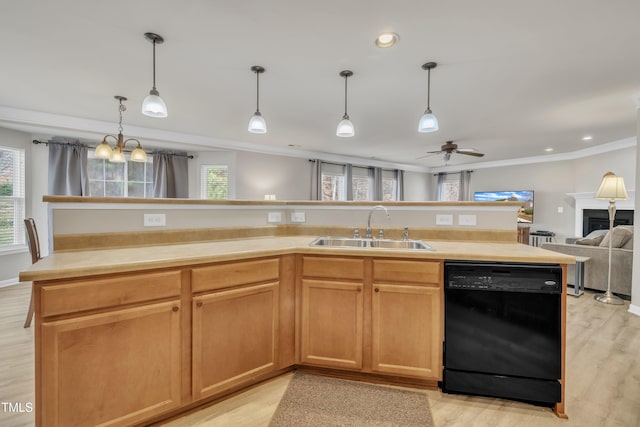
x: 502, y: 330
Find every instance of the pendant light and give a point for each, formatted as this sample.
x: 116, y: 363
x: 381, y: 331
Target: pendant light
x: 428, y: 122
x: 153, y: 105
x: 345, y: 127
x: 256, y: 122
x: 104, y: 151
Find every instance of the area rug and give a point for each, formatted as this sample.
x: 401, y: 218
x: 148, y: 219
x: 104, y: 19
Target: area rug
x: 313, y: 400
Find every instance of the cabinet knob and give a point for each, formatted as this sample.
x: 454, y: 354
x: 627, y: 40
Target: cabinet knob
x: 359, y: 289
x: 199, y: 304
x: 175, y: 308
x: 377, y: 289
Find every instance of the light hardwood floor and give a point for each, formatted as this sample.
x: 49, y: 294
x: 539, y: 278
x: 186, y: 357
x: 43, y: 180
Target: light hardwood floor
x: 603, y: 377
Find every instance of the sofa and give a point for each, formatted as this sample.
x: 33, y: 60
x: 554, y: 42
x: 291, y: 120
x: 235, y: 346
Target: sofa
x: 596, y: 247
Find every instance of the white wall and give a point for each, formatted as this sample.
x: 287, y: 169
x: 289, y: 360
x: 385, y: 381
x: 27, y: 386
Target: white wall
x: 289, y: 178
x: 416, y: 187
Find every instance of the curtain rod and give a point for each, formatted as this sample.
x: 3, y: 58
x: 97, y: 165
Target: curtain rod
x: 445, y: 173
x: 79, y: 144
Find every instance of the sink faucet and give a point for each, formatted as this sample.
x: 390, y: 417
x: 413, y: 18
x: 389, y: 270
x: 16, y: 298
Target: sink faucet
x: 377, y: 207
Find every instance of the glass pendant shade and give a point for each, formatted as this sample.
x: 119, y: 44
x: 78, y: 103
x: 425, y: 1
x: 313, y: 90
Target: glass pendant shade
x: 154, y: 106
x: 138, y: 154
x: 428, y: 123
x: 257, y: 123
x: 103, y: 151
x: 117, y: 156
x: 345, y: 128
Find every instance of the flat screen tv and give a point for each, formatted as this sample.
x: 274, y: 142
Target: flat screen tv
x: 525, y: 214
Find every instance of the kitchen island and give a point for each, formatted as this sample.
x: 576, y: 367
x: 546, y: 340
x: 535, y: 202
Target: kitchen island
x: 134, y: 335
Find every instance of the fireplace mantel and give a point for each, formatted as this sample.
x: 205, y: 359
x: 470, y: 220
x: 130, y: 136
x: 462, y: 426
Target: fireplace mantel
x: 586, y: 201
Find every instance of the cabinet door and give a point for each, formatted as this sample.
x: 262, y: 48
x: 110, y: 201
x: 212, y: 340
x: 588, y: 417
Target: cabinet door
x: 112, y: 368
x: 331, y: 323
x: 235, y: 337
x: 407, y: 330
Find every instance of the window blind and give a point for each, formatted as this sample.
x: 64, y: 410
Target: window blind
x: 11, y: 197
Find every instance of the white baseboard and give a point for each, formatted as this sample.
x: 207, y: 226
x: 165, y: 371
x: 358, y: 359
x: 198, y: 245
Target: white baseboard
x: 634, y: 309
x: 9, y: 282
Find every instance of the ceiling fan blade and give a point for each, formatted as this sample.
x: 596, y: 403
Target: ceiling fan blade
x: 429, y: 154
x: 470, y: 153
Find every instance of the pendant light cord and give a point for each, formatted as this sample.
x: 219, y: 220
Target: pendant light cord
x: 257, y: 92
x: 154, y: 64
x: 429, y: 90
x: 346, y: 116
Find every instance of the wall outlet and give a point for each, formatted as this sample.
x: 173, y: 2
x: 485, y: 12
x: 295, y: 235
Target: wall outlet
x: 560, y: 209
x: 298, y: 217
x: 466, y: 220
x: 444, y: 219
x: 274, y: 217
x: 155, y: 220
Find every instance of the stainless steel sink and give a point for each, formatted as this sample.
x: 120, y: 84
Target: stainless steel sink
x: 349, y: 242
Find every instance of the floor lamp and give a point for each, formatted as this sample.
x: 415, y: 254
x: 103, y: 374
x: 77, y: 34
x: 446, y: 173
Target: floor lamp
x: 611, y: 189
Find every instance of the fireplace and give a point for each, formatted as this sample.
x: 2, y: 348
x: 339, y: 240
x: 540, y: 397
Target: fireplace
x: 598, y: 219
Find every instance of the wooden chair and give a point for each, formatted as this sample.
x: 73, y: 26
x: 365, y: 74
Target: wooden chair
x: 33, y: 241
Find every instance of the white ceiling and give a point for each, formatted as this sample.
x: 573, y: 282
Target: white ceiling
x: 513, y: 77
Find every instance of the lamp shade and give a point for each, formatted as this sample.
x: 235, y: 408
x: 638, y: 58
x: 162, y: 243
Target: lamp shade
x: 345, y: 129
x: 154, y: 106
x: 103, y: 151
x: 612, y: 188
x: 428, y: 123
x: 138, y: 155
x: 117, y: 156
x: 257, y: 124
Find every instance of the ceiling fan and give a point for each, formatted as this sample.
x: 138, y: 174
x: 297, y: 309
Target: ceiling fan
x: 449, y: 147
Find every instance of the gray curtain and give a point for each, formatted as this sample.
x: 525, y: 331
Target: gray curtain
x: 400, y: 184
x: 170, y: 176
x: 68, y: 169
x: 465, y: 179
x: 348, y: 174
x: 376, y: 174
x: 315, y: 179
x: 442, y: 177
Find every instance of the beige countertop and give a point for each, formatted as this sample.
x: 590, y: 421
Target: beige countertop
x: 63, y: 265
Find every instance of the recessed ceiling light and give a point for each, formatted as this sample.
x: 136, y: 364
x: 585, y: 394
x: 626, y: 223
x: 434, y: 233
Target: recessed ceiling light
x: 386, y: 39
x: 587, y: 138
x: 548, y: 150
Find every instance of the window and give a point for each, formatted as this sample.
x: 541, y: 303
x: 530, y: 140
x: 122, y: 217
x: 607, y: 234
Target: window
x: 366, y: 182
x: 128, y: 179
x: 389, y: 185
x: 11, y: 197
x: 333, y: 182
x: 215, y: 182
x: 453, y: 186
x: 362, y: 183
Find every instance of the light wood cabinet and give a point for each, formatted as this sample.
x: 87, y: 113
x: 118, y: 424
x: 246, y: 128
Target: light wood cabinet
x: 373, y: 315
x: 331, y: 323
x: 235, y: 337
x: 112, y: 368
x: 236, y: 328
x: 406, y: 318
x: 405, y: 325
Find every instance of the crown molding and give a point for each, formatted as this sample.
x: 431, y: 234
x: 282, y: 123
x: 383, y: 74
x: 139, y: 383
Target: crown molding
x: 579, y: 154
x: 88, y: 130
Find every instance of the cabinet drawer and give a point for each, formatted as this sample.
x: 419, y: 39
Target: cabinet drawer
x: 338, y: 268
x: 407, y: 271
x: 234, y: 274
x: 108, y: 292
